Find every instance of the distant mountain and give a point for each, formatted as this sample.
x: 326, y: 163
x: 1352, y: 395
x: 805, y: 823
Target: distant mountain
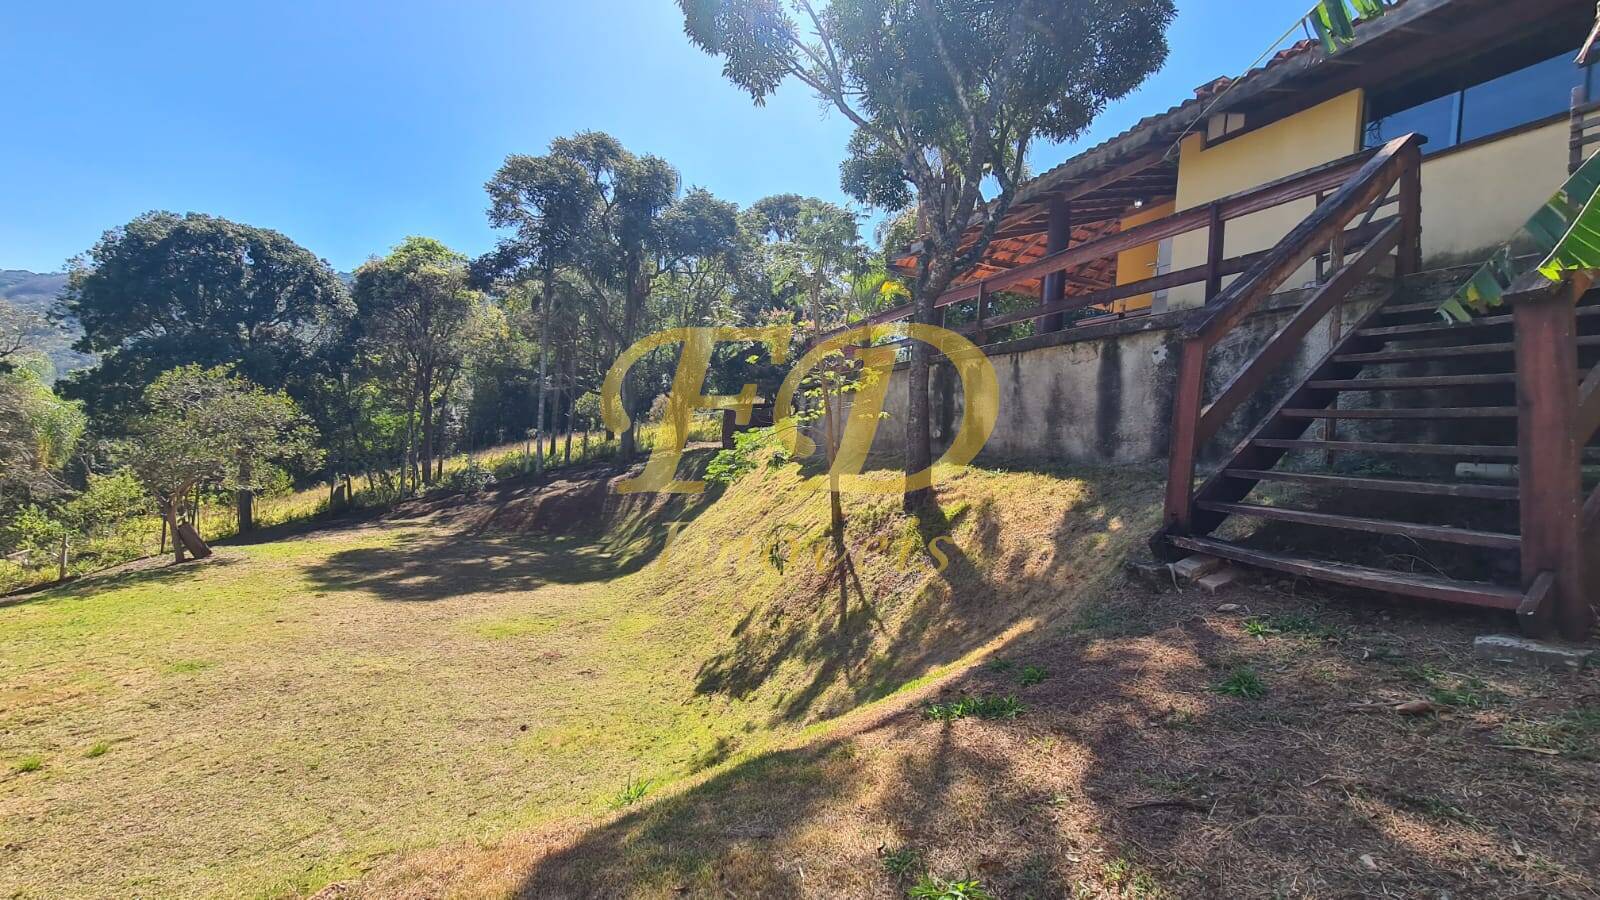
x: 36, y: 292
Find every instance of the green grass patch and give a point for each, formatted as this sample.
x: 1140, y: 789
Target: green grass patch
x: 33, y: 762
x: 514, y: 628
x: 1241, y: 682
x: 631, y: 792
x: 184, y: 666
x: 932, y: 887
x: 1032, y: 675
x: 977, y: 707
x: 97, y: 750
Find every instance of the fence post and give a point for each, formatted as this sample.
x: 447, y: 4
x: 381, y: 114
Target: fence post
x: 1188, y: 393
x: 1214, y: 251
x: 1548, y: 451
x: 1408, y: 257
x: 978, y: 335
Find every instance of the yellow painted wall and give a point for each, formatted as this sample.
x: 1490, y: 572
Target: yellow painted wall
x: 1309, y: 138
x: 1140, y: 262
x: 1474, y: 199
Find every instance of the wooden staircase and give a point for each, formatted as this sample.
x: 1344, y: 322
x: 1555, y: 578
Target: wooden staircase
x: 1402, y: 392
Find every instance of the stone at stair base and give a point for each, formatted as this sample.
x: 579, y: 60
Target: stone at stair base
x: 1526, y: 651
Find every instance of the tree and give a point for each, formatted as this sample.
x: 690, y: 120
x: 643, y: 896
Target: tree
x: 946, y: 96
x: 39, y: 433
x: 166, y: 290
x: 209, y: 426
x: 14, y: 328
x: 549, y: 200
x: 640, y: 230
x: 421, y: 320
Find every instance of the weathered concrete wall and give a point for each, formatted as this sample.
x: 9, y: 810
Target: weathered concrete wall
x: 1103, y: 393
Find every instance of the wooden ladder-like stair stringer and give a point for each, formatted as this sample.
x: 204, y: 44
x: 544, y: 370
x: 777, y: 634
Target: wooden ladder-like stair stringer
x: 1360, y: 365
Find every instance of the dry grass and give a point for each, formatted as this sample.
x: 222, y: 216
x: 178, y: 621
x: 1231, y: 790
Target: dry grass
x: 298, y: 709
x: 1128, y: 776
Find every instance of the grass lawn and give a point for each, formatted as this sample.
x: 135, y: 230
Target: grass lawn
x: 269, y: 720
x: 294, y: 711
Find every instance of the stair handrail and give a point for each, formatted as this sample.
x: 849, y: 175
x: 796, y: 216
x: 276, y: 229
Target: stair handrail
x: 1397, y: 162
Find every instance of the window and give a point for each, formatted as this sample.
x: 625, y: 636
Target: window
x: 1456, y: 107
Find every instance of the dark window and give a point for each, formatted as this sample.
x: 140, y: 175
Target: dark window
x: 1452, y: 108
x: 1537, y: 92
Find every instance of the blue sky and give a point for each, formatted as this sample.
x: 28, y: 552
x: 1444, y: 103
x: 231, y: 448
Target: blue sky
x: 350, y: 125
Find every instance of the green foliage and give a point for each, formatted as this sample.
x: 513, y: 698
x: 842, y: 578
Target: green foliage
x: 471, y: 479
x: 729, y: 466
x: 1032, y: 675
x: 980, y: 707
x: 165, y: 290
x: 97, y: 750
x: 932, y: 887
x: 902, y: 863
x: 632, y: 792
x: 1241, y: 682
x: 31, y: 763
x: 211, y: 426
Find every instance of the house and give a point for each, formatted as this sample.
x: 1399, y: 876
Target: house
x: 1249, y: 279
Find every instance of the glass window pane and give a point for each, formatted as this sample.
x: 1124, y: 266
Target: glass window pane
x: 1434, y: 119
x: 1537, y: 92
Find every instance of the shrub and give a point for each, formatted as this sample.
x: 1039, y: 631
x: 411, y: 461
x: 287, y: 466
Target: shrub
x: 932, y: 887
x: 729, y: 466
x: 471, y: 479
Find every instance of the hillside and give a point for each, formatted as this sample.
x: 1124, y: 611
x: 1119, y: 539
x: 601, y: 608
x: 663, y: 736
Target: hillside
x: 300, y: 709
x: 35, y: 293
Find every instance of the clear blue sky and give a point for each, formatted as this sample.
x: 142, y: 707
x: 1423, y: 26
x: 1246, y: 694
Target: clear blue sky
x: 350, y: 125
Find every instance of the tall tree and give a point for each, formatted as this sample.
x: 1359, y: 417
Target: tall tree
x: 421, y: 319
x: 549, y: 200
x: 166, y: 290
x: 946, y: 96
x: 640, y: 230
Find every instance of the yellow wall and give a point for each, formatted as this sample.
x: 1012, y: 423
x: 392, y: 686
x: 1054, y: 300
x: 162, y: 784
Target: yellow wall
x: 1140, y: 262
x: 1315, y: 136
x: 1475, y: 199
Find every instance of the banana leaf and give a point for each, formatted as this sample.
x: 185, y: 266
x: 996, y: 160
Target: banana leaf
x: 1565, y: 231
x: 1335, y: 24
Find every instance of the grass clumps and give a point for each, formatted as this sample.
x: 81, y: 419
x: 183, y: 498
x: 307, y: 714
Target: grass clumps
x: 932, y: 887
x: 632, y: 792
x: 1576, y: 733
x: 902, y: 863
x: 1241, y: 682
x: 1032, y: 675
x: 97, y: 750
x: 30, y: 763
x: 979, y: 707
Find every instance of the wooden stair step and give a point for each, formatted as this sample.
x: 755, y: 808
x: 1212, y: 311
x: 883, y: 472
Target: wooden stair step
x: 1422, y: 354
x: 1389, y: 485
x: 1424, y: 329
x: 1455, y: 412
x: 1417, y: 383
x: 1491, y: 451
x: 1470, y: 593
x: 1442, y: 533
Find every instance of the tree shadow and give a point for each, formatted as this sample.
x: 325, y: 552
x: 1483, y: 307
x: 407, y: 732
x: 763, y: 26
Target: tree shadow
x: 151, y: 570
x: 1127, y: 774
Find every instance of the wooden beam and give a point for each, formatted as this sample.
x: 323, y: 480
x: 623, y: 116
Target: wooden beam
x: 1549, y: 454
x: 1242, y: 297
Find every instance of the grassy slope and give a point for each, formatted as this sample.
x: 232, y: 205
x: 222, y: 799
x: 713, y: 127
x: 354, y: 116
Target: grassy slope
x: 280, y: 717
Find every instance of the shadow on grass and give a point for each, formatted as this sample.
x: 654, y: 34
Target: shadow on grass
x: 519, y: 538
x: 939, y: 617
x: 141, y: 572
x: 1126, y: 775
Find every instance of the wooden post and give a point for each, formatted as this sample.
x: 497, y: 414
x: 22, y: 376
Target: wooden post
x: 1580, y: 99
x: 1548, y: 451
x: 1053, y: 289
x: 978, y: 336
x: 1214, y: 253
x: 1188, y: 393
x: 1408, y: 258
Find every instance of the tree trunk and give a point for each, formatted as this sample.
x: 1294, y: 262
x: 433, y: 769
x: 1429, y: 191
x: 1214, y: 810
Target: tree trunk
x: 61, y: 559
x: 172, y: 525
x: 245, y: 498
x: 426, y: 460
x: 572, y: 408
x: 919, y: 435
x: 544, y: 366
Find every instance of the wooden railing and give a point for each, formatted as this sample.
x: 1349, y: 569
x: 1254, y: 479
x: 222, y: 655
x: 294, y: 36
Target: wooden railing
x: 1362, y: 192
x: 1212, y: 217
x: 1556, y: 417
